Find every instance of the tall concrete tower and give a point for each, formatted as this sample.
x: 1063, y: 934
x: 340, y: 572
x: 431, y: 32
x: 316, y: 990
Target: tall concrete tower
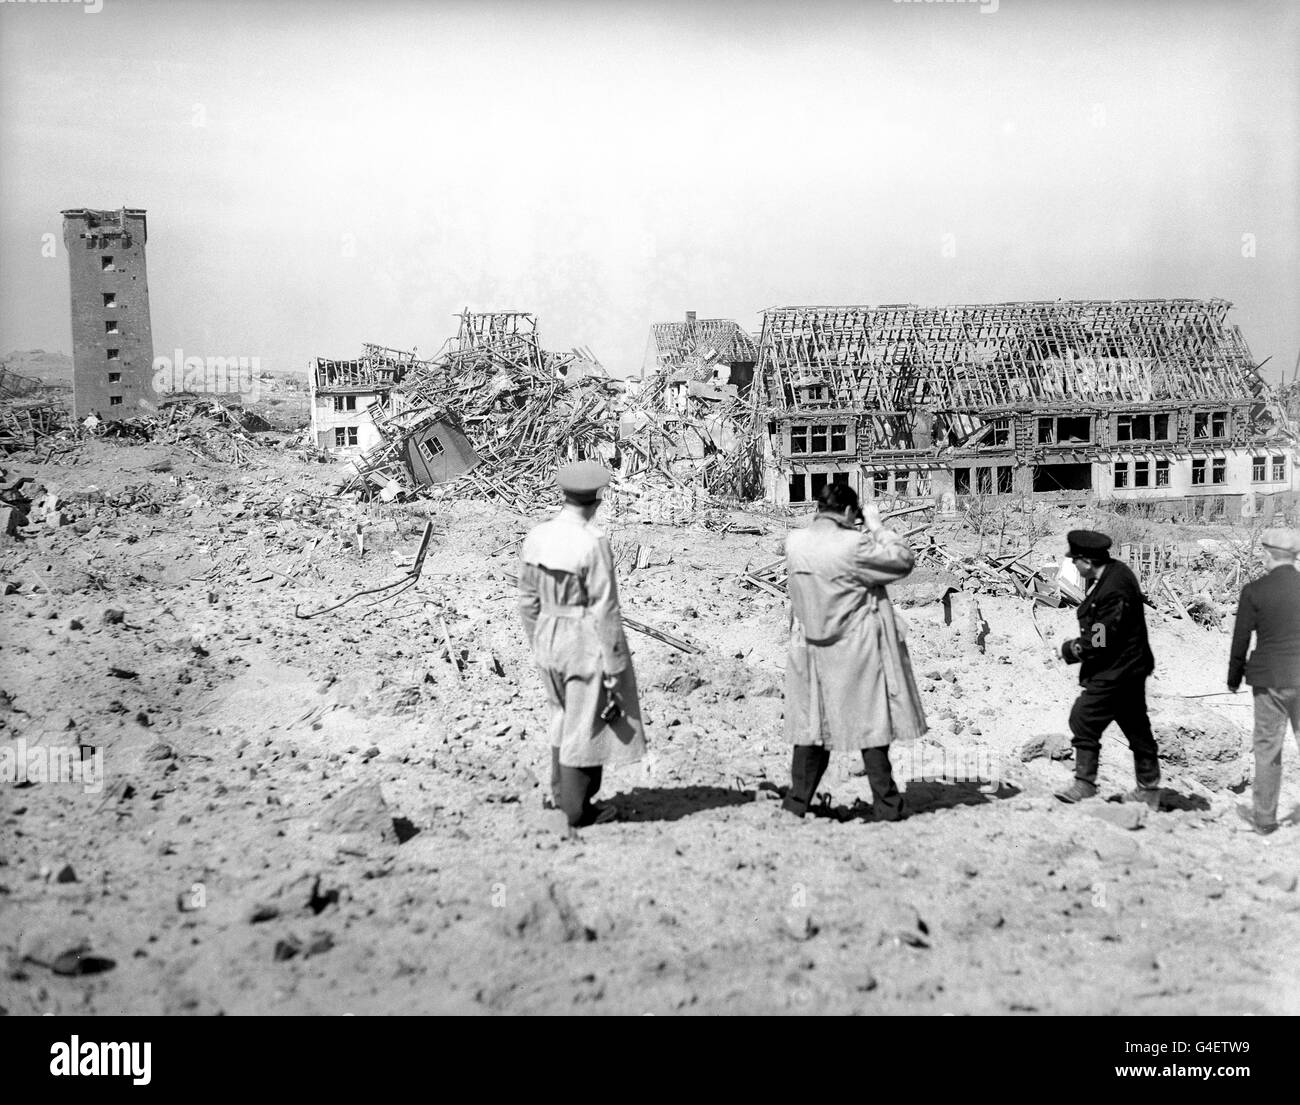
x: 112, y: 343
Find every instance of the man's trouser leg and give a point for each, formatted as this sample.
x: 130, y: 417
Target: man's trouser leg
x: 1274, y: 707
x: 555, y: 777
x: 886, y: 801
x: 807, y: 766
x: 578, y: 785
x: 1091, y: 713
x: 1134, y: 722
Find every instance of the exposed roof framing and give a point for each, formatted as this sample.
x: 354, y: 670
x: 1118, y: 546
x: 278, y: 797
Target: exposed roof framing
x: 377, y: 369
x: 1004, y: 355
x: 719, y: 340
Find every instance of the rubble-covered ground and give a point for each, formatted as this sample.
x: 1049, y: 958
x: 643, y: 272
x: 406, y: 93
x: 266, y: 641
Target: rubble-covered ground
x: 343, y: 813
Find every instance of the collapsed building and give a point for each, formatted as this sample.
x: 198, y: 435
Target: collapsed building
x: 1130, y: 400
x: 343, y: 392
x: 494, y: 414
x: 711, y: 358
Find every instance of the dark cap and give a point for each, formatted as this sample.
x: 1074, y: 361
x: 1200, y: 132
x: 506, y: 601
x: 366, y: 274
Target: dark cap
x: 1088, y: 544
x: 581, y: 481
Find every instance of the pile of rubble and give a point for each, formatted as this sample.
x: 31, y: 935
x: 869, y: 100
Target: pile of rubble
x: 30, y: 411
x: 514, y: 412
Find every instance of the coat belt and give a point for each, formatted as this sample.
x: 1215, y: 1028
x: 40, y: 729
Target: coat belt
x: 560, y: 611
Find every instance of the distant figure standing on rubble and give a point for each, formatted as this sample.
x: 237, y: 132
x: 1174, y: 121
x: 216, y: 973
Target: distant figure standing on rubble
x: 1270, y: 608
x: 1115, y: 660
x: 568, y: 600
x: 848, y: 678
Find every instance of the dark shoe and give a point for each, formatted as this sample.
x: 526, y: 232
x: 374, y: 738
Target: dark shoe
x: 1077, y: 791
x: 1248, y: 816
x: 599, y: 815
x: 1148, y: 796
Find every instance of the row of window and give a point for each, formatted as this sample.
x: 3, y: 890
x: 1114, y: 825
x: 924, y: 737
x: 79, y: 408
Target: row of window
x: 989, y: 480
x: 805, y: 487
x: 825, y: 438
x: 900, y: 482
x: 1259, y: 466
x: 1052, y: 430
x: 1140, y: 474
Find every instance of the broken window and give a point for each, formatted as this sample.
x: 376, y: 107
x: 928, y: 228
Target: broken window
x: 1133, y: 427
x: 798, y: 489
x: 1198, y: 469
x: 110, y: 327
x: 1074, y: 430
x: 1004, y: 479
x: 345, y: 436
x: 112, y: 354
x: 841, y: 478
x: 1219, y: 471
x: 818, y: 482
x: 1279, y: 469
x: 1065, y: 430
x: 1141, y: 473
x: 114, y: 377
x: 1162, y: 473
x: 1258, y: 469
x: 839, y: 439
x: 345, y: 402
x: 1121, y: 473
x: 106, y: 264
x: 984, y: 481
x: 799, y: 440
x: 1062, y: 477
x: 1208, y: 424
x: 1142, y: 427
x: 818, y: 442
x: 880, y: 483
x: 961, y: 481
x: 900, y: 483
x: 1000, y: 435
x: 922, y: 483
x: 110, y: 299
x: 430, y: 448
x: 114, y: 400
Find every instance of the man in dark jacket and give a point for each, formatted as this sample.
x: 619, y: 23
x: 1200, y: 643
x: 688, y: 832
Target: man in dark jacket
x: 1270, y: 608
x: 1115, y: 660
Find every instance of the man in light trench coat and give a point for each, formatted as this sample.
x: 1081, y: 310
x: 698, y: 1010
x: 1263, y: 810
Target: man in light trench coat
x: 568, y: 602
x: 849, y: 683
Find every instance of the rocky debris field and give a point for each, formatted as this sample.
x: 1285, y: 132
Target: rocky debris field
x: 343, y: 812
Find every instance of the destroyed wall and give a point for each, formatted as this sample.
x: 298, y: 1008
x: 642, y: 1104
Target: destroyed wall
x: 112, y: 338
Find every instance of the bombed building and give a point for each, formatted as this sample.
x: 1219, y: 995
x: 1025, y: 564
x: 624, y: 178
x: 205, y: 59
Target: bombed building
x: 1121, y: 400
x: 711, y: 358
x: 112, y: 339
x: 343, y: 392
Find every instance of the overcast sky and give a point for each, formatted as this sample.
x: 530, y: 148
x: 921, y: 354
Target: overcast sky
x: 321, y: 174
